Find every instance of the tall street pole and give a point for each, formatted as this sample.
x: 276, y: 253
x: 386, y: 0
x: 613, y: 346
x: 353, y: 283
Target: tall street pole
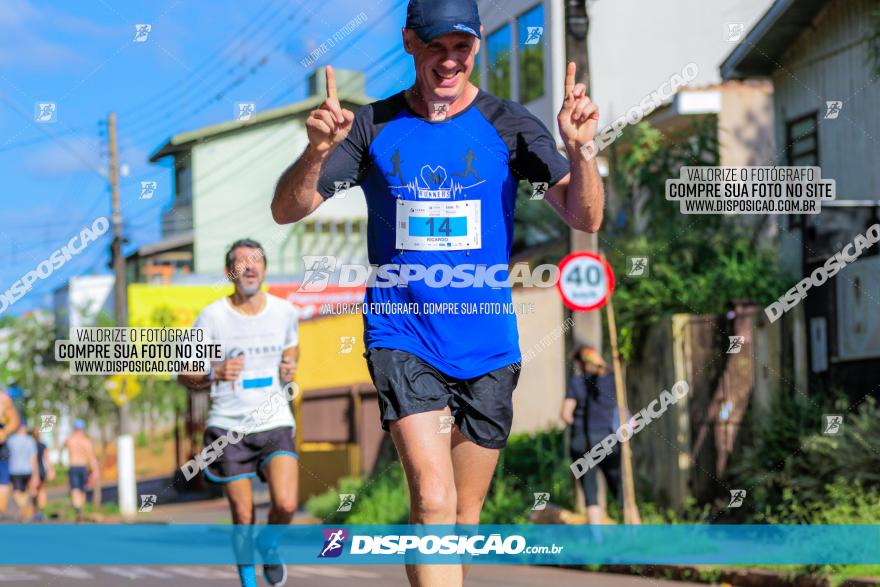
x: 125, y: 470
x: 587, y: 328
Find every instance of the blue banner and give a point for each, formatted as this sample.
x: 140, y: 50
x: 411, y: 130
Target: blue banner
x: 153, y: 544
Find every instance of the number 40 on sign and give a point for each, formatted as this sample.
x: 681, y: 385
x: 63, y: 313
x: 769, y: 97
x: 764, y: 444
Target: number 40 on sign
x: 585, y: 281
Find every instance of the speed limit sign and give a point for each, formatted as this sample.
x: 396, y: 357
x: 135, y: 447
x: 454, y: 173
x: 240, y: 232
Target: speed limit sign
x: 585, y: 281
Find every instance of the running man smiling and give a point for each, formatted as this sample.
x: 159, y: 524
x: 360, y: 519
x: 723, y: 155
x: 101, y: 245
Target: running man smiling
x: 461, y: 152
x: 259, y: 334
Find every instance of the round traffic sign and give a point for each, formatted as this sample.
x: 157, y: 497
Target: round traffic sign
x: 585, y: 281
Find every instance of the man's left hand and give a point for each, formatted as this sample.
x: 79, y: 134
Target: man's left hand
x: 287, y: 370
x: 579, y: 117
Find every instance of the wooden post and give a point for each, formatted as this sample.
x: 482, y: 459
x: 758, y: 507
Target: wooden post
x: 630, y: 508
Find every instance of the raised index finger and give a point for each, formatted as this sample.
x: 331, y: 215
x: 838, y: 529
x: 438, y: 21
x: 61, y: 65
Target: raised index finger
x: 569, y: 78
x: 331, y: 83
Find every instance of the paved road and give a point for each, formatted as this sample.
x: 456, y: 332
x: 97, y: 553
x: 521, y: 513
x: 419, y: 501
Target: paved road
x: 215, y: 511
x: 309, y: 576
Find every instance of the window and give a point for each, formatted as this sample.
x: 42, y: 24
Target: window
x: 802, y: 140
x: 801, y: 136
x: 499, y: 62
x: 530, y: 36
x: 182, y: 181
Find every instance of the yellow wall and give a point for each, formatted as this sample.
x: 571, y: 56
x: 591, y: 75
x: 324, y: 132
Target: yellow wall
x: 170, y: 305
x: 321, y: 365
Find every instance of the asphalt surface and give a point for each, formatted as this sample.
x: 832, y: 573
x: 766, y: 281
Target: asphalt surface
x: 215, y: 511
x: 309, y: 576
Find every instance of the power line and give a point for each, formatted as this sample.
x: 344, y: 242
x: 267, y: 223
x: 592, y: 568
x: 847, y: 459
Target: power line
x: 195, y: 79
x: 38, y: 140
x: 378, y: 64
x: 54, y: 138
x: 144, y: 125
x: 229, y: 170
x: 351, y: 43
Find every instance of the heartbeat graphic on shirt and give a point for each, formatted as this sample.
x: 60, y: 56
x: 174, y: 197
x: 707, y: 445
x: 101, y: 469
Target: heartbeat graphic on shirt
x: 435, y: 184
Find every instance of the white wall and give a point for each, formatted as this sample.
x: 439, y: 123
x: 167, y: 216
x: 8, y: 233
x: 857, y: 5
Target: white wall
x: 828, y: 63
x: 81, y: 299
x: 537, y: 400
x: 234, y: 179
x: 635, y: 45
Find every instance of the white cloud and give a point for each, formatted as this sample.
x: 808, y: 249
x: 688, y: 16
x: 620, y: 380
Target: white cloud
x: 22, y: 46
x: 74, y: 155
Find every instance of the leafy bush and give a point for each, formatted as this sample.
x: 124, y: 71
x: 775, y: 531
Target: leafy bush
x: 696, y: 266
x: 845, y: 503
x: 387, y: 500
x: 791, y: 456
x: 384, y: 499
x: 531, y: 463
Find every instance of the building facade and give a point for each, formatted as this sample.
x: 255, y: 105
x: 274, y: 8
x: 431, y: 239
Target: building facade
x: 224, y: 180
x: 817, y: 54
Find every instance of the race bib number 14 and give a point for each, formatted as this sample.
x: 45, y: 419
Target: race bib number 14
x: 436, y: 226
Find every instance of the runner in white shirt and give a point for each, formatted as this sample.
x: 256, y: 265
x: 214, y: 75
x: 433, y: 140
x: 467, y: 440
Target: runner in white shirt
x: 250, y: 400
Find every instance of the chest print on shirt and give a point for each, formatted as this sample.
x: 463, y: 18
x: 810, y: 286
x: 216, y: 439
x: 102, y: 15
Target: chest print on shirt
x: 433, y: 181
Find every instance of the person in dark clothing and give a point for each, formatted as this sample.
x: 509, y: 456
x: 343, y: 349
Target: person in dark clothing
x: 591, y: 412
x: 46, y: 473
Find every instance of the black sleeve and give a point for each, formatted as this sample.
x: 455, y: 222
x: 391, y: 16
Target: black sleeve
x: 534, y: 156
x: 349, y: 161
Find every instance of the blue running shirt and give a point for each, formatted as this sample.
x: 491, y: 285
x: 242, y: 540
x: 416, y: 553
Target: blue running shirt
x: 443, y: 193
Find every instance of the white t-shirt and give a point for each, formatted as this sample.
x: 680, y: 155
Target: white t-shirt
x: 247, y: 402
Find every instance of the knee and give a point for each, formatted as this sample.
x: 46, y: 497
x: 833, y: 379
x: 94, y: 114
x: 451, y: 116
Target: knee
x: 285, y: 505
x: 242, y: 513
x: 434, y: 503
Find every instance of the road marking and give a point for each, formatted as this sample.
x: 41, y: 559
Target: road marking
x: 322, y: 571
x: 11, y: 574
x: 136, y: 572
x: 67, y: 572
x: 202, y: 572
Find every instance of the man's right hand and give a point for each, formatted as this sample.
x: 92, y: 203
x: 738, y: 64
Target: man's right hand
x: 329, y: 125
x: 229, y: 370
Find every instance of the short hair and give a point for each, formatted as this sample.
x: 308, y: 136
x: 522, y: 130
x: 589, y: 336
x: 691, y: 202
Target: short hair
x: 244, y: 242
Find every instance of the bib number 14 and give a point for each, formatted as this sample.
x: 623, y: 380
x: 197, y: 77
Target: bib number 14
x: 436, y: 226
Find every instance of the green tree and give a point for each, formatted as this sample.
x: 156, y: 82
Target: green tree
x: 698, y: 263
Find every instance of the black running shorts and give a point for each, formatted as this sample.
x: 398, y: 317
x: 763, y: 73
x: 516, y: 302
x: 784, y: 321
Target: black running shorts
x: 482, y: 407
x: 247, y: 457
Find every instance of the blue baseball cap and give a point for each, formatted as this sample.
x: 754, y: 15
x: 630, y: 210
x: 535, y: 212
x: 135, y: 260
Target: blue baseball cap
x: 79, y: 425
x: 430, y: 19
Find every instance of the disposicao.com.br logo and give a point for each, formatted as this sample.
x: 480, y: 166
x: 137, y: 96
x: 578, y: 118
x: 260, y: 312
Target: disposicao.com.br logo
x: 455, y: 544
x: 334, y: 540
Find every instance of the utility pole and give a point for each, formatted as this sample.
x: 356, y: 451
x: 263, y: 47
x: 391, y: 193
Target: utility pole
x: 587, y: 328
x: 125, y: 471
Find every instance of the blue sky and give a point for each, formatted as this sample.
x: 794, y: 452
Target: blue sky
x: 199, y: 59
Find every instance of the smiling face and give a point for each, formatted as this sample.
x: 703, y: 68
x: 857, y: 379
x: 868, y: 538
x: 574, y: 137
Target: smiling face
x: 248, y: 270
x: 443, y: 66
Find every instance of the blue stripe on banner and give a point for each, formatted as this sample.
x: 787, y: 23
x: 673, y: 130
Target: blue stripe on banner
x: 123, y: 544
x: 252, y: 383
